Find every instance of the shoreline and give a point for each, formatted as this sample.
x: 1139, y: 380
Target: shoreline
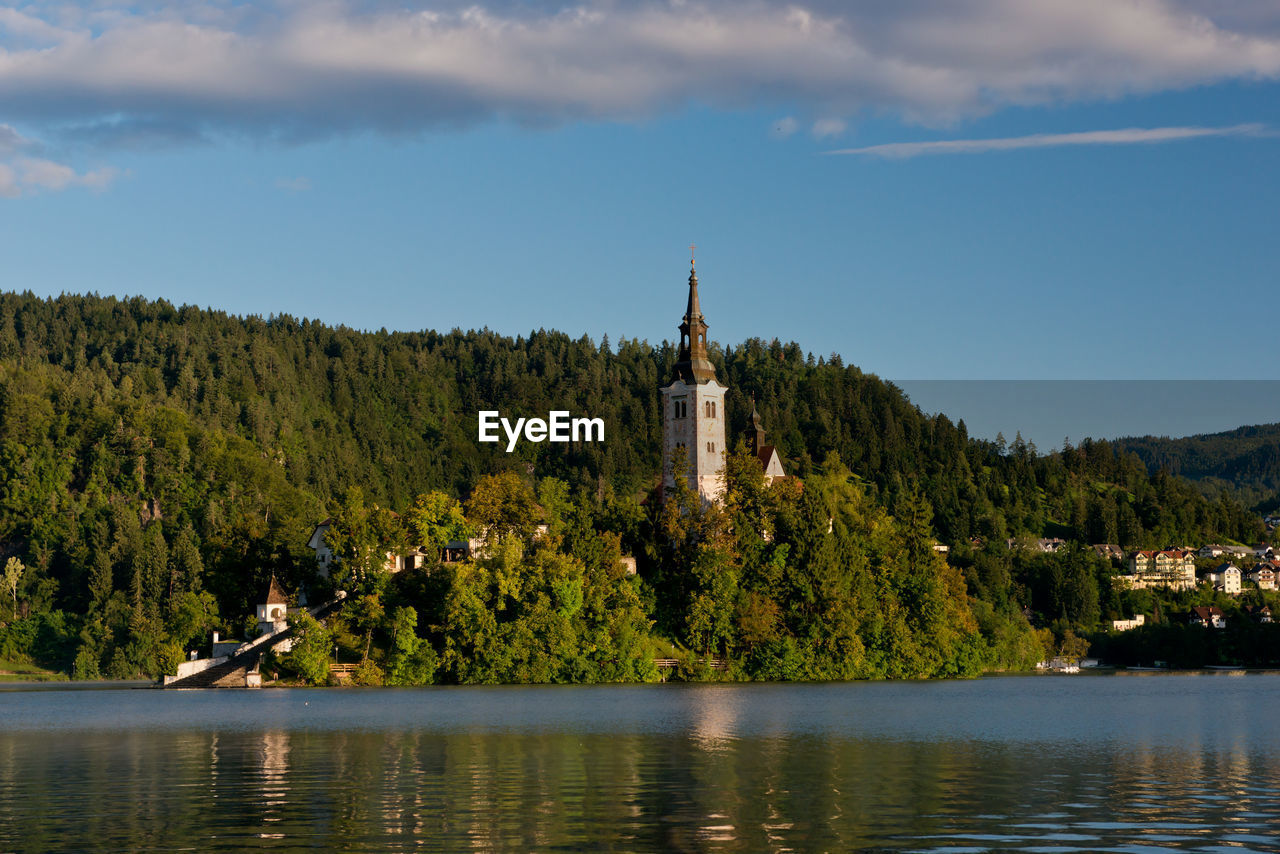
x: 62, y: 681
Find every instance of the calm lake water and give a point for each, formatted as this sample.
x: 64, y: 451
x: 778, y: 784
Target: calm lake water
x: 1132, y: 763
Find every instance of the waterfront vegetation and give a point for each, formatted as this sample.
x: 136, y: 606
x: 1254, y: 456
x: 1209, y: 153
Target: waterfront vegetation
x: 25, y: 671
x: 158, y: 465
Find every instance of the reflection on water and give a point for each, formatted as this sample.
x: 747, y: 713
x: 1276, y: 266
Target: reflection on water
x: 714, y: 768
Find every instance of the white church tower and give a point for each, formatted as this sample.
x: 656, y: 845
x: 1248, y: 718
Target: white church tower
x: 693, y: 411
x: 273, y: 612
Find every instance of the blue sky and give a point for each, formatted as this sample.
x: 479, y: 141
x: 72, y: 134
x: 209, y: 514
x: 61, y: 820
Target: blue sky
x: 526, y: 165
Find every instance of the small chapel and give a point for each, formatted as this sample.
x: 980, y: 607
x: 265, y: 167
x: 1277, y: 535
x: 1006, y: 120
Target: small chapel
x: 693, y: 412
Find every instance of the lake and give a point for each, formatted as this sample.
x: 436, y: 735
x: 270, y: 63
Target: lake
x: 1132, y: 763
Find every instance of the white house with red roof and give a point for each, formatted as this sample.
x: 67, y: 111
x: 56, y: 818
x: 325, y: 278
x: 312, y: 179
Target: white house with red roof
x: 1171, y: 568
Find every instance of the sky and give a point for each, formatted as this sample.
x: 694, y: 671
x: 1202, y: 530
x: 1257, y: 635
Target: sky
x: 934, y: 189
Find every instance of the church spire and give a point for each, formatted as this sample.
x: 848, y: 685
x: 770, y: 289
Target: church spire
x: 692, y: 364
x: 694, y: 310
x: 754, y: 434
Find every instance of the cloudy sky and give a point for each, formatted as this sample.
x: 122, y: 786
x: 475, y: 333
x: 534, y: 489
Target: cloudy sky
x: 936, y: 189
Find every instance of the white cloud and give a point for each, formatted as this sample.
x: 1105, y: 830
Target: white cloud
x: 294, y: 185
x: 1126, y: 136
x: 186, y: 69
x: 22, y: 174
x: 11, y: 140
x: 824, y: 128
x: 784, y: 127
x: 45, y: 174
x: 9, y: 188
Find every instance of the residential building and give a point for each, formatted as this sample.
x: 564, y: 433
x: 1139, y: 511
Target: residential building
x: 1225, y: 578
x: 1125, y: 625
x: 1110, y: 551
x: 414, y: 557
x: 1210, y: 616
x: 1264, y: 575
x: 1216, y: 550
x: 1261, y: 613
x: 1049, y: 544
x: 1171, y: 568
x: 324, y: 555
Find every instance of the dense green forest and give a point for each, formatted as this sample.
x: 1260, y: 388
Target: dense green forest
x: 1244, y: 461
x: 159, y: 464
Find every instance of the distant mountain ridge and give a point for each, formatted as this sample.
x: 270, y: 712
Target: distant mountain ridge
x: 1245, y: 460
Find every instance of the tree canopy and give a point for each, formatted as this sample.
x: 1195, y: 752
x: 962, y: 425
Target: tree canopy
x: 158, y: 464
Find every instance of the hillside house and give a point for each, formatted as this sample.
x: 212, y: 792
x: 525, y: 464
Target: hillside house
x: 324, y: 555
x: 1264, y: 575
x: 1260, y: 613
x: 1209, y: 617
x: 412, y: 558
x: 1214, y: 550
x: 1171, y: 568
x: 1110, y: 551
x: 1043, y: 544
x: 1225, y: 578
x: 1126, y: 625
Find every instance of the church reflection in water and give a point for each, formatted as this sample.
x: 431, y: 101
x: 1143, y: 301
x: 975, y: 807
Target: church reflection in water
x: 714, y: 776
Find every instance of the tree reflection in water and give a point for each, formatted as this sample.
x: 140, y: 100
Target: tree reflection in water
x: 719, y: 768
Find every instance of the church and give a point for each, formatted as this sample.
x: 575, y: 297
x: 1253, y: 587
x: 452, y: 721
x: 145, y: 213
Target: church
x: 693, y: 412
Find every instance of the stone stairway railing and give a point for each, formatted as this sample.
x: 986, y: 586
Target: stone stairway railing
x: 236, y: 670
x: 713, y: 663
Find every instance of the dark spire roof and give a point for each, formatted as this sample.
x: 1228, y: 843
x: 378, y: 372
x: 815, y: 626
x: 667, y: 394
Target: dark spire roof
x: 693, y: 311
x: 754, y: 434
x: 275, y: 596
x: 692, y: 365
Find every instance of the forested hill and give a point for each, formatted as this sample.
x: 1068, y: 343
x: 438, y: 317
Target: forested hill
x: 247, y: 430
x: 1245, y: 460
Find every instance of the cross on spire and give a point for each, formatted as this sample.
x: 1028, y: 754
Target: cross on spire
x: 692, y: 246
x: 692, y: 364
